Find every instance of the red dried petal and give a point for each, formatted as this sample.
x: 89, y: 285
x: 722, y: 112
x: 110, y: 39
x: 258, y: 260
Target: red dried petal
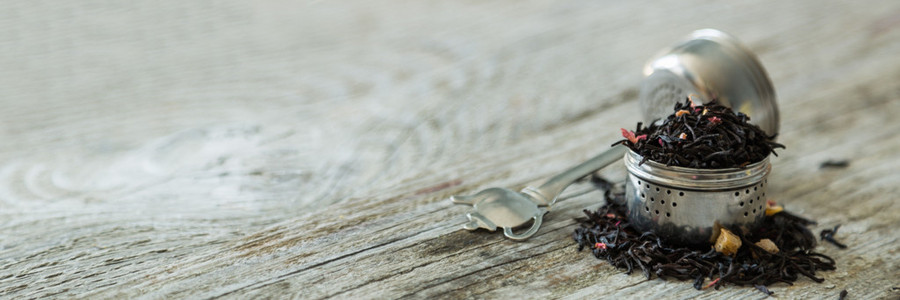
x: 629, y: 135
x: 712, y: 283
x: 600, y: 246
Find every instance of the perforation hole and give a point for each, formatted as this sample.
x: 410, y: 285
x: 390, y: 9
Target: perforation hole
x: 668, y: 215
x: 662, y: 201
x: 651, y: 199
x: 657, y: 189
x: 746, y: 214
x: 647, y: 208
x: 751, y: 201
x: 754, y: 210
x: 669, y: 192
x: 642, y: 195
x: 737, y: 194
x: 681, y: 194
x: 657, y: 212
x: 674, y: 204
x: 742, y: 203
x: 747, y: 191
x: 647, y: 185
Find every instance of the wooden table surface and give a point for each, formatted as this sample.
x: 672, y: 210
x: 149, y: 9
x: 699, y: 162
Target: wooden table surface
x: 195, y: 149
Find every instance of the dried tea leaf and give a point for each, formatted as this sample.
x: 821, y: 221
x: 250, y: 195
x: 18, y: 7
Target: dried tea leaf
x: 645, y: 252
x: 711, y: 136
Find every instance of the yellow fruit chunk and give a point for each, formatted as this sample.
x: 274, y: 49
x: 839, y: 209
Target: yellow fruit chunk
x: 772, y: 208
x: 728, y: 243
x: 767, y: 245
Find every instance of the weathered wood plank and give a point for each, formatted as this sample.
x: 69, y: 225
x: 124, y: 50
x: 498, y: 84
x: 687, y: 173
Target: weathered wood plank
x: 274, y: 149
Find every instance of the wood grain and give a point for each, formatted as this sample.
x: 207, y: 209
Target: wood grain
x: 280, y: 149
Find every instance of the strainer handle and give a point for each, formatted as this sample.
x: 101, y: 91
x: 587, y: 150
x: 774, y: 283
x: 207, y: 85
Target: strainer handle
x: 547, y: 193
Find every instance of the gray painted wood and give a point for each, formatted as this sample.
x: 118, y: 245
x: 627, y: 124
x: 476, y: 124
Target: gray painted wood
x: 203, y: 149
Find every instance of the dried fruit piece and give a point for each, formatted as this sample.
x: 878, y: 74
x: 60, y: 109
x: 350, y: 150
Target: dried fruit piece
x: 728, y: 243
x: 681, y: 112
x: 768, y: 245
x: 717, y: 230
x: 772, y: 208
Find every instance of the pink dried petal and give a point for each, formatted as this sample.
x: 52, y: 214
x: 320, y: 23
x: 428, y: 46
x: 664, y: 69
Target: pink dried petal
x: 691, y: 100
x: 712, y: 283
x: 629, y: 135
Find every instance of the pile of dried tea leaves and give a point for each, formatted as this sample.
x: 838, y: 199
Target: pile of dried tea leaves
x: 709, y: 136
x: 609, y: 235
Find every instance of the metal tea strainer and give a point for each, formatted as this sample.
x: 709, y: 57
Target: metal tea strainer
x: 681, y: 204
x: 684, y: 205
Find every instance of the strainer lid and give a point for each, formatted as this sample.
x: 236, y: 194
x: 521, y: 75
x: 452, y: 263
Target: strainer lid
x: 710, y: 64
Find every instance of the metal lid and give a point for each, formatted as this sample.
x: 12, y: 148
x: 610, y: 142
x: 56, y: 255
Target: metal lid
x: 709, y: 64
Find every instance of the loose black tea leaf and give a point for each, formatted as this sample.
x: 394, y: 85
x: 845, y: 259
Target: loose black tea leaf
x: 709, y: 136
x: 763, y: 289
x: 609, y: 235
x: 843, y: 295
x: 828, y: 235
x: 836, y: 164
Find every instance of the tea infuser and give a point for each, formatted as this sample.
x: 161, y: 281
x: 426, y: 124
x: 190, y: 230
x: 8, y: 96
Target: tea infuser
x: 709, y: 64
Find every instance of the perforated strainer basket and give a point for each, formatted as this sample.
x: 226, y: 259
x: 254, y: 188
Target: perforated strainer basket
x: 686, y: 206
